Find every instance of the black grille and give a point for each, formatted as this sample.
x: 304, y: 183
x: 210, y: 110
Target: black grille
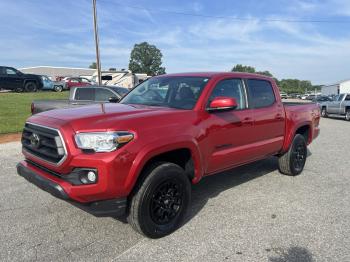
x: 43, y: 142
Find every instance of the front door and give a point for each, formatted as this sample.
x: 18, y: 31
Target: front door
x: 334, y: 106
x: 228, y: 132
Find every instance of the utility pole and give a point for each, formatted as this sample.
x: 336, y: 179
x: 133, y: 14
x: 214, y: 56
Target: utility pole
x: 98, y: 63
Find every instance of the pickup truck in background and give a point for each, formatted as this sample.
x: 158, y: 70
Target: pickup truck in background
x: 140, y: 156
x: 339, y: 106
x: 12, y: 79
x: 80, y: 96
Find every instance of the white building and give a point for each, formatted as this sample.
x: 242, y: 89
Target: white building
x: 55, y: 72
x: 337, y: 88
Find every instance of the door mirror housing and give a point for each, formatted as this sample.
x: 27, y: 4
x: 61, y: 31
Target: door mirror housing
x: 222, y: 103
x: 113, y: 99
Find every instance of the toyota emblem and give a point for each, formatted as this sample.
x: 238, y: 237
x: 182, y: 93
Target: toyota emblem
x: 35, y: 140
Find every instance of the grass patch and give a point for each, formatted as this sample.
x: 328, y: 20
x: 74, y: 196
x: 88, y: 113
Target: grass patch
x: 15, y: 108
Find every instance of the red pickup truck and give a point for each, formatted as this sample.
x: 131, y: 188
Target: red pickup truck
x: 139, y: 157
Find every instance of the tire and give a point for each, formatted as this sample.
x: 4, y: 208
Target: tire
x: 324, y: 112
x: 347, y: 115
x: 58, y: 88
x: 161, y: 200
x: 31, y: 87
x: 292, y: 163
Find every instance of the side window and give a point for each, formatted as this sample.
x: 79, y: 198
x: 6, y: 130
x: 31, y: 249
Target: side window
x: 74, y: 80
x: 340, y: 98
x: 84, y: 94
x: 347, y: 98
x: 103, y: 94
x: 261, y: 93
x: 230, y: 88
x: 10, y: 71
x: 84, y: 80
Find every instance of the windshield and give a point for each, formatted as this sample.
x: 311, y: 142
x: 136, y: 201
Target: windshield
x: 173, y: 91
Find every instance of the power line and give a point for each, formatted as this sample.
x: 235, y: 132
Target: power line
x: 267, y: 20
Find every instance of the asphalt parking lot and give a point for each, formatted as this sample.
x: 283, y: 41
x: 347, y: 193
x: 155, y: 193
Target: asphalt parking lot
x: 251, y: 213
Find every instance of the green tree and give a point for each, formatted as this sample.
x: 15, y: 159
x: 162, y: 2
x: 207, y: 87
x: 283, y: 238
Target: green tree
x: 243, y: 68
x: 93, y: 65
x: 265, y: 73
x: 249, y: 69
x: 146, y: 58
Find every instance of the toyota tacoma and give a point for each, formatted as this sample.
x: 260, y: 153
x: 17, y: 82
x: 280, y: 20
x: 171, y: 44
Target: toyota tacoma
x: 138, y: 158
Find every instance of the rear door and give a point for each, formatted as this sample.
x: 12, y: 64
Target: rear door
x: 344, y: 103
x: 269, y: 118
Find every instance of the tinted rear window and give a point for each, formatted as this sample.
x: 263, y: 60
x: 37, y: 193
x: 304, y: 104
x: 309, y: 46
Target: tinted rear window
x: 85, y: 94
x: 260, y: 93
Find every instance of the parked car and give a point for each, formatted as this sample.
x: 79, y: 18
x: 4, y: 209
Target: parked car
x: 340, y: 106
x: 320, y: 99
x: 283, y: 95
x: 77, y: 81
x: 12, y: 79
x: 80, y: 96
x: 139, y: 157
x: 56, y: 86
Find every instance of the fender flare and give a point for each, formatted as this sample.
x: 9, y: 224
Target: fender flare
x: 149, y: 151
x: 289, y: 137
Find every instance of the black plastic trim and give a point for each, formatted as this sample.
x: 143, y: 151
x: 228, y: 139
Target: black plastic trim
x: 111, y: 207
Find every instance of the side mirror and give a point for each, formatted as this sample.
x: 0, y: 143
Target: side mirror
x: 113, y: 99
x: 222, y: 103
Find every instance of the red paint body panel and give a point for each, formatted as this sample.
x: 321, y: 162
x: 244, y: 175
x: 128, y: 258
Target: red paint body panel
x: 217, y: 141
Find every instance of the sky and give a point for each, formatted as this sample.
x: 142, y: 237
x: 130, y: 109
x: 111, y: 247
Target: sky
x: 192, y: 35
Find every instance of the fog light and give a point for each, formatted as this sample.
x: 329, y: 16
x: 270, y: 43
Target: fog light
x: 91, y: 176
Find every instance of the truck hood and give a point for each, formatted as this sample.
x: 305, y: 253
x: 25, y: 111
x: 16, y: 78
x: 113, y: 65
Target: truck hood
x: 108, y: 116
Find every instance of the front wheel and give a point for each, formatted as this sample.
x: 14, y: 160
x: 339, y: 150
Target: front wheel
x: 161, y: 200
x: 324, y: 112
x: 58, y: 88
x: 292, y: 163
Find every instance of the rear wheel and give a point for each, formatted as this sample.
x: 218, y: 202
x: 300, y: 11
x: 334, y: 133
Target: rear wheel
x: 347, y: 115
x: 161, y: 201
x: 30, y: 87
x: 292, y: 163
x: 324, y: 112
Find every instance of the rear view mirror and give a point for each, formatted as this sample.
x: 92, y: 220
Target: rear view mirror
x: 113, y: 99
x: 222, y: 103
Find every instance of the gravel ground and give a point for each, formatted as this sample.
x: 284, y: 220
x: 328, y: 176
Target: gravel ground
x: 251, y: 213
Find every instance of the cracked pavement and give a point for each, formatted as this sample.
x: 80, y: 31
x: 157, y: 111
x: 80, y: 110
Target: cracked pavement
x: 251, y: 213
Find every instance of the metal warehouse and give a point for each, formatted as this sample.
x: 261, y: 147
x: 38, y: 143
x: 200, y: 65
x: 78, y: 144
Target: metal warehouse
x: 337, y: 88
x: 55, y: 72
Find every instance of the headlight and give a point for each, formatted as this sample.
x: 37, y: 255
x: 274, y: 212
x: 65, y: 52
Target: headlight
x: 102, y: 141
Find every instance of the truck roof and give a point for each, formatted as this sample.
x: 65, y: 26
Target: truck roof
x: 214, y: 74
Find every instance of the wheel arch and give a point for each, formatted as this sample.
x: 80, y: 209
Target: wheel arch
x: 304, y: 128
x: 185, y: 154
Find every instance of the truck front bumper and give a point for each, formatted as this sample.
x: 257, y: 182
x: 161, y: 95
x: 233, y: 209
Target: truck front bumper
x: 111, y: 207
